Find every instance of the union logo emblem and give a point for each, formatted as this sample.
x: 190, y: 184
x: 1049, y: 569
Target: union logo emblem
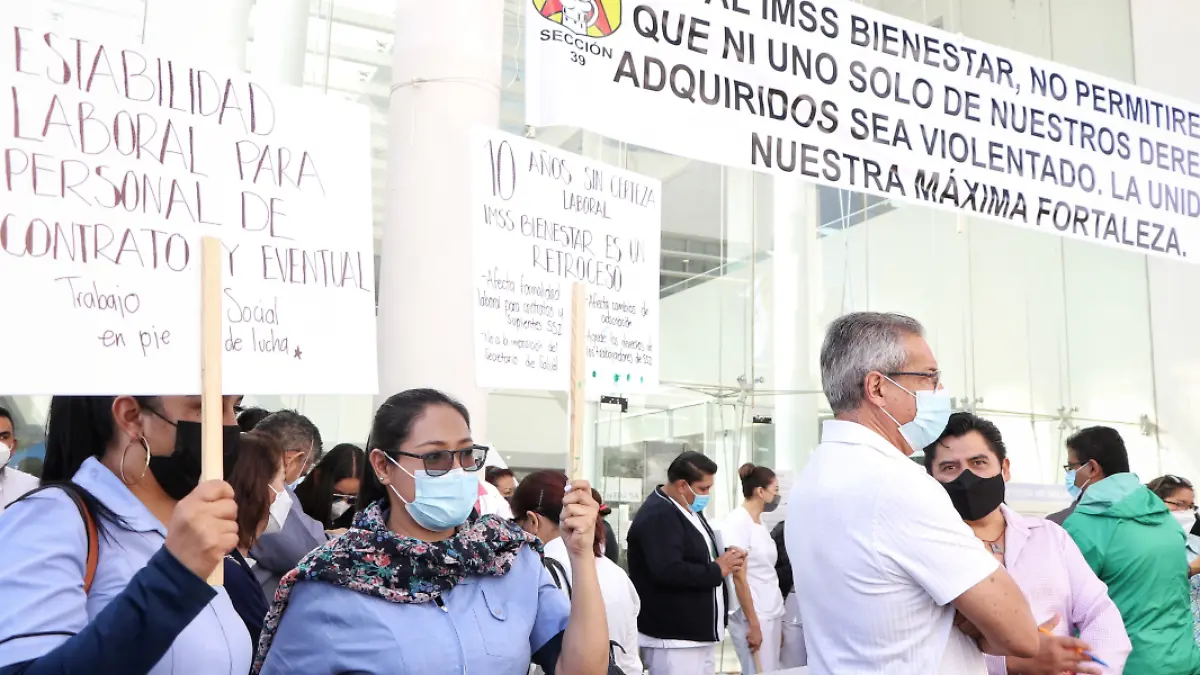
x: 592, y: 18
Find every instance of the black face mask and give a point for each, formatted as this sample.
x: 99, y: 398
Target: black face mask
x: 771, y: 505
x: 179, y: 472
x: 974, y: 497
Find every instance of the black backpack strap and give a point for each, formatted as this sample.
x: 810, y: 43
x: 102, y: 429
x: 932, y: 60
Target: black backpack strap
x: 558, y: 573
x: 613, y: 668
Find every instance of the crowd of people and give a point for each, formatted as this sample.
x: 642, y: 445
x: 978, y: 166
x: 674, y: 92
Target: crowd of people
x: 396, y: 557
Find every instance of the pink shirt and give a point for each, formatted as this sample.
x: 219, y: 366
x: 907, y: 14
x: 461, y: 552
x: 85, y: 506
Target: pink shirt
x: 1045, y: 562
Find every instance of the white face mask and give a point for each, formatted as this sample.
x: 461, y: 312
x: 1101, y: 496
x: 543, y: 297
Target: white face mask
x: 1186, y: 519
x: 5, y: 455
x: 280, y: 508
x: 340, y: 507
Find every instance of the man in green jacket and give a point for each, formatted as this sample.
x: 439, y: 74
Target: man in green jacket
x: 1130, y: 540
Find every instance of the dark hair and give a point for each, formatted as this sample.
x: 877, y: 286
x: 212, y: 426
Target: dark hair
x: 259, y: 460
x: 315, y: 493
x: 77, y: 428
x: 605, y: 509
x: 754, y: 477
x: 293, y: 431
x: 1102, y: 444
x: 542, y: 493
x: 249, y: 418
x: 961, y: 424
x: 690, y: 466
x: 5, y: 414
x: 493, y: 474
x: 392, y: 425
x: 1166, y: 486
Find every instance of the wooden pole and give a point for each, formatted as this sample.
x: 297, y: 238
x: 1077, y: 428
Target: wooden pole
x: 578, y: 375
x: 212, y: 465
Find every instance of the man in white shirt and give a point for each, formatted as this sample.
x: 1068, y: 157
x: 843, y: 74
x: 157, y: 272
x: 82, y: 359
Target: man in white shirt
x: 884, y: 560
x: 13, y: 484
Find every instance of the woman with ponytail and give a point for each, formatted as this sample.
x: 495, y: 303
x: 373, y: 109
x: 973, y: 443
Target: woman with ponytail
x: 537, y: 507
x: 756, y: 625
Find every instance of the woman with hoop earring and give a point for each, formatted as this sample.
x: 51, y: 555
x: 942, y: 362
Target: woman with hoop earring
x: 104, y: 568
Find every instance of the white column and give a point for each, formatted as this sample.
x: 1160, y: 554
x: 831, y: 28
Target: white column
x: 736, y: 355
x: 446, y: 76
x: 280, y: 40
x: 213, y: 32
x: 794, y: 339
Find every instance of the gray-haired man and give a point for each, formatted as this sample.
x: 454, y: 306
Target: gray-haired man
x: 276, y: 554
x: 882, y: 559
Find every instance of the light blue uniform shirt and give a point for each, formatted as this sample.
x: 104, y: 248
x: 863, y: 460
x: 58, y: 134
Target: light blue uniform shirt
x: 491, y: 626
x: 43, y: 555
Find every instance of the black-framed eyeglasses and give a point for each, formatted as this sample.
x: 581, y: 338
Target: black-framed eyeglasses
x: 1182, y: 505
x: 934, y: 376
x: 1072, y: 467
x: 441, y: 462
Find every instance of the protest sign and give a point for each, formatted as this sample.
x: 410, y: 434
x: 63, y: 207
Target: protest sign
x: 543, y: 220
x: 117, y: 162
x: 855, y: 98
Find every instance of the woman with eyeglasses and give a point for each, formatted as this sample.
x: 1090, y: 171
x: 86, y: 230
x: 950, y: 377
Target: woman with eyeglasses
x: 329, y: 493
x: 419, y: 585
x: 1180, y: 497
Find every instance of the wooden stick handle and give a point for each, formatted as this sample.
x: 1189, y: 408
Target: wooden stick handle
x: 212, y: 466
x: 578, y: 376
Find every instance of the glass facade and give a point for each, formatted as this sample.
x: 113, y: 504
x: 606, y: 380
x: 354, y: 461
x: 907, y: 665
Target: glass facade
x: 1040, y: 334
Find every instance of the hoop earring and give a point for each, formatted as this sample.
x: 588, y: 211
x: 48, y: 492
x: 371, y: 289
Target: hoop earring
x: 146, y: 447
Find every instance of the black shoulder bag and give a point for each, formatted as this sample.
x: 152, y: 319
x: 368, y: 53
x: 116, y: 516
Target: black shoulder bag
x: 559, y: 574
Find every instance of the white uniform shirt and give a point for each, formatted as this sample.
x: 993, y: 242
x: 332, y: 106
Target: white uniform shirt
x: 740, y: 530
x: 651, y: 642
x: 621, y: 604
x: 14, y: 485
x: 884, y: 554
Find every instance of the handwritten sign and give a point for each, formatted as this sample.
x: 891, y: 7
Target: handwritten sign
x: 116, y: 162
x: 545, y: 219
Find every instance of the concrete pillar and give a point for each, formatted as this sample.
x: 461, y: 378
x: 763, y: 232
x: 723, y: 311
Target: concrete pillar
x: 795, y: 339
x: 446, y: 80
x: 280, y: 40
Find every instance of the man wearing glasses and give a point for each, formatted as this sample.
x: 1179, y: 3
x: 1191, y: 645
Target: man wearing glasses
x: 885, y: 568
x: 1130, y: 540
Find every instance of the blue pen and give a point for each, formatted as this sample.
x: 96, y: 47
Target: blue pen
x: 1087, y: 654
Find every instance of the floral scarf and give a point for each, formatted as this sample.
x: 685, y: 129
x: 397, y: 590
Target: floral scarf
x: 371, y: 559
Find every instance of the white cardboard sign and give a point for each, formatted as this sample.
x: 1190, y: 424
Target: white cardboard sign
x: 544, y: 219
x: 116, y: 162
x: 844, y: 95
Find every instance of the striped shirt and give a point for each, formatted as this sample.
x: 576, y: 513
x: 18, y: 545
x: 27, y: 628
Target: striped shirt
x: 1047, y: 565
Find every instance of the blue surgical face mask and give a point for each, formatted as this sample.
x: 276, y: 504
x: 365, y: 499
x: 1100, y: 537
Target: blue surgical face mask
x: 699, y: 502
x: 442, y: 502
x: 933, y: 412
x: 1071, y: 487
